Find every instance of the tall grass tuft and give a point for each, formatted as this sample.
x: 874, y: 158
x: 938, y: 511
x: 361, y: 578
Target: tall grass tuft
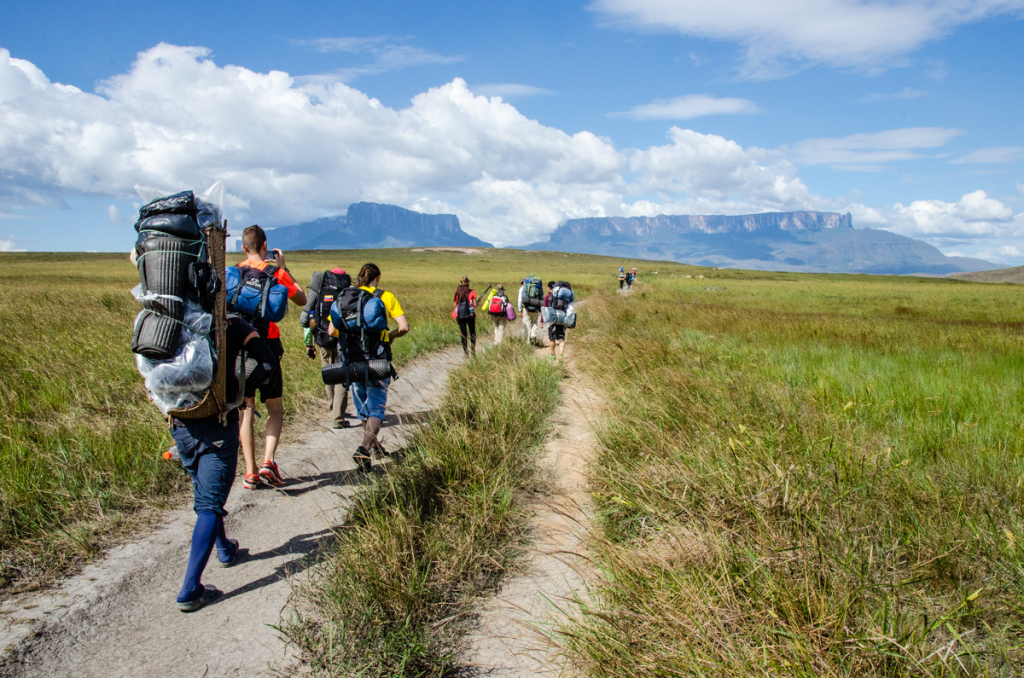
x: 805, y: 493
x: 437, y: 530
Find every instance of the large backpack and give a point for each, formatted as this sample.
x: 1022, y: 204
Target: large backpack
x: 256, y: 294
x: 496, y: 306
x: 533, y: 297
x: 463, y: 311
x: 331, y: 285
x: 360, y: 317
x: 561, y: 295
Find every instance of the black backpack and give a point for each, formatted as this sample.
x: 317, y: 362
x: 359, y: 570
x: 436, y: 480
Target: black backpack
x: 358, y: 345
x: 331, y: 286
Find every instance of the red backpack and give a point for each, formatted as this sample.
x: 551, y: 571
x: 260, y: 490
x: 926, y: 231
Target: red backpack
x: 497, y: 305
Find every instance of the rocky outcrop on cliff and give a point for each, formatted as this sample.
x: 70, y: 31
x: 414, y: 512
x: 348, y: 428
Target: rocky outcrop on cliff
x: 815, y: 242
x: 369, y: 225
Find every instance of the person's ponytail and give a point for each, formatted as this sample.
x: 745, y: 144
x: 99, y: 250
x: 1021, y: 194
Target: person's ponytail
x: 367, y: 274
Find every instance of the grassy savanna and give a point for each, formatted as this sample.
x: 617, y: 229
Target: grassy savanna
x: 436, y: 531
x: 79, y: 441
x: 807, y: 475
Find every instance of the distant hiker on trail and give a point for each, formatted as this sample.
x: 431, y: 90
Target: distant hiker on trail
x: 208, y: 450
x: 465, y: 314
x: 559, y: 313
x: 499, y: 309
x: 629, y: 281
x: 369, y: 397
x: 257, y: 269
x: 531, y: 298
x: 323, y: 290
x: 622, y: 277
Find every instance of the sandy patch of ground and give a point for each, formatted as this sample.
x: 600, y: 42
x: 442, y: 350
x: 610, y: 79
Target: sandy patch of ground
x: 512, y: 636
x: 463, y: 250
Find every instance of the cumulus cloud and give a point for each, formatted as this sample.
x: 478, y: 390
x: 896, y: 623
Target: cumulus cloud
x: 290, y: 150
x: 868, y: 151
x: 975, y: 215
x: 995, y: 155
x: 690, y: 106
x: 10, y: 244
x: 781, y: 35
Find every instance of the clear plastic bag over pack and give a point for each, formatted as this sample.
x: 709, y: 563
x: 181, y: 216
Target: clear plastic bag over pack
x: 181, y: 380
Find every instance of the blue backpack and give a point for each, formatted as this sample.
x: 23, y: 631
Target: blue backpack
x: 360, y: 317
x: 255, y: 295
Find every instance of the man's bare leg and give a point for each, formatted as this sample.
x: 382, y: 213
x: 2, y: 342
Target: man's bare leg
x: 275, y: 422
x: 247, y: 436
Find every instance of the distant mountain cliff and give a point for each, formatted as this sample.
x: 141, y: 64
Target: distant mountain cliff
x: 816, y: 242
x: 369, y: 225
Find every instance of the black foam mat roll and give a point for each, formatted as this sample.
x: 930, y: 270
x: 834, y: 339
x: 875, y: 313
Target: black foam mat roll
x: 348, y: 373
x: 164, y: 262
x: 156, y: 336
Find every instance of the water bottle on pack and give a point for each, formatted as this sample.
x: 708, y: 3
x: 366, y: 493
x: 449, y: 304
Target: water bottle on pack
x: 172, y: 454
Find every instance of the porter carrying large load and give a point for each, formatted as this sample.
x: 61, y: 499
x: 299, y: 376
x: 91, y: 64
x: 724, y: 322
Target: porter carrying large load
x: 560, y: 309
x: 324, y: 288
x: 179, y: 336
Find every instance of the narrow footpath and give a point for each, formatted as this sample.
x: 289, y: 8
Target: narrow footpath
x: 117, y: 618
x: 513, y: 637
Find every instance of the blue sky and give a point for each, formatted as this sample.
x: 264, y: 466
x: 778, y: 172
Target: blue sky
x: 516, y: 116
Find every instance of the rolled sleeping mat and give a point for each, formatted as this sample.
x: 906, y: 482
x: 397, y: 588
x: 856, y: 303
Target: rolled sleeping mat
x: 179, y: 225
x: 179, y: 203
x: 156, y: 336
x: 356, y: 373
x: 163, y: 263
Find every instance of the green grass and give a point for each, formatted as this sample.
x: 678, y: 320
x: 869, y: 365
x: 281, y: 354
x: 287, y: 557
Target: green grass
x: 423, y: 541
x: 807, y: 475
x: 79, y: 441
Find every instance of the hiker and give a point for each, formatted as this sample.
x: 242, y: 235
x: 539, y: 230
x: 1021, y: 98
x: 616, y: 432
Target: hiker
x: 371, y: 398
x: 556, y: 330
x: 629, y: 281
x: 323, y: 289
x: 498, y: 308
x: 208, y: 450
x: 465, y: 314
x: 622, y: 277
x: 254, y: 243
x: 531, y: 297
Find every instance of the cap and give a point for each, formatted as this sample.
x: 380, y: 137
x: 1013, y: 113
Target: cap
x: 338, y: 270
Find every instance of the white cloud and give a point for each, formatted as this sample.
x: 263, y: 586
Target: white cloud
x: 975, y: 215
x: 10, y: 244
x: 508, y: 90
x: 290, y: 151
x: 115, y: 214
x: 903, y: 94
x: 867, y: 151
x: 386, y: 52
x: 997, y: 155
x: 778, y: 36
x: 690, y: 106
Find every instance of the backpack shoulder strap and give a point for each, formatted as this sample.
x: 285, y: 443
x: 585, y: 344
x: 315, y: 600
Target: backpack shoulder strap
x: 378, y: 293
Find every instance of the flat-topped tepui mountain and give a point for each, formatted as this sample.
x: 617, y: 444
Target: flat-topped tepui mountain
x: 369, y: 225
x: 812, y: 242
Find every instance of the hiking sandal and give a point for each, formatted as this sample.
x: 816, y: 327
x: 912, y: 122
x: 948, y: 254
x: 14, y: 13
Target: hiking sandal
x: 233, y: 560
x: 208, y: 595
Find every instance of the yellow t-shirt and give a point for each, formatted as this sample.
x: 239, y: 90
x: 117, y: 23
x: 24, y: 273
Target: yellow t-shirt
x: 391, y: 305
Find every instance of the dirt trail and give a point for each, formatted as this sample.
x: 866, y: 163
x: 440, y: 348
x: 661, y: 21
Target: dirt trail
x: 117, y: 618
x: 511, y: 638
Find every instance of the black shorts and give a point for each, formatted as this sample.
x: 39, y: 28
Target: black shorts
x: 556, y: 332
x: 273, y: 387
